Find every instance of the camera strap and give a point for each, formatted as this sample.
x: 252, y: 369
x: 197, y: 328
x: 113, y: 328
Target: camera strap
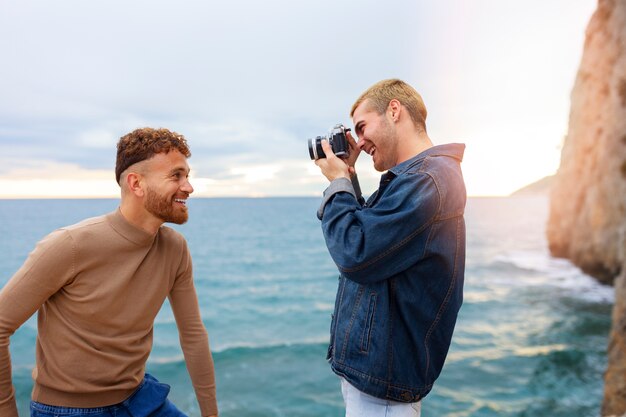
x: 357, y: 189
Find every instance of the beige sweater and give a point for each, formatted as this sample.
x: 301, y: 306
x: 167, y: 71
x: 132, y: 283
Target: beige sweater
x: 98, y: 286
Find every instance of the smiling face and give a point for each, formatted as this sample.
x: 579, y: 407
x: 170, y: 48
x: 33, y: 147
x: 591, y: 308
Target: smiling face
x: 377, y: 136
x: 167, y: 187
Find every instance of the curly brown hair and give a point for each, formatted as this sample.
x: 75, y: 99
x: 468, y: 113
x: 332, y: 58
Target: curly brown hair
x: 144, y: 143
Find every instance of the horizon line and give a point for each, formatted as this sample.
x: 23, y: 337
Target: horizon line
x: 206, y: 197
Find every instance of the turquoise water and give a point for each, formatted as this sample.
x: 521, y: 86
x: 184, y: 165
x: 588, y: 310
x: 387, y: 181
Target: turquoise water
x: 530, y: 340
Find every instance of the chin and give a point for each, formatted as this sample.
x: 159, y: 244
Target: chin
x: 179, y: 218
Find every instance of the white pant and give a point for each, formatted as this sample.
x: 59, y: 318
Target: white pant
x: 360, y: 404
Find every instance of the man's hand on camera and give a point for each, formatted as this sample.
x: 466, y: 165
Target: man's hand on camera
x: 355, y: 151
x: 333, y: 167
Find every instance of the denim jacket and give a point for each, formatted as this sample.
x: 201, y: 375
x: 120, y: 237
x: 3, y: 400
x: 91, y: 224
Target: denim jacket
x: 401, y: 256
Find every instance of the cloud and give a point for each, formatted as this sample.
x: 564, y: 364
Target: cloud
x: 247, y: 82
x: 281, y: 177
x: 44, y: 179
x: 244, y: 81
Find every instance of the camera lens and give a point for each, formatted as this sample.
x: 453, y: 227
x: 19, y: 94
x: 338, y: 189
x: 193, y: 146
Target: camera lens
x: 315, y: 148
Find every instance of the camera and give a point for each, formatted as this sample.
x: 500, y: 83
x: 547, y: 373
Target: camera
x: 336, y: 139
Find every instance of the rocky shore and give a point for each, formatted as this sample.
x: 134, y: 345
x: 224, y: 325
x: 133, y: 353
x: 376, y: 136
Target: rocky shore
x: 587, y: 222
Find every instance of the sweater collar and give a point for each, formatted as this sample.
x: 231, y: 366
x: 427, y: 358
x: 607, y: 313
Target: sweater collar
x: 127, y: 230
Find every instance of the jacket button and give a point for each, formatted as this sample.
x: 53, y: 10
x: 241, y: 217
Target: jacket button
x: 406, y: 396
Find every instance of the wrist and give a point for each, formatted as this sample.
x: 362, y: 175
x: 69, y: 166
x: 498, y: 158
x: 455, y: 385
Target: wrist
x: 337, y: 175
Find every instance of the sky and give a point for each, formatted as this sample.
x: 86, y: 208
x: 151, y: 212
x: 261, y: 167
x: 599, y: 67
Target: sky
x: 248, y: 82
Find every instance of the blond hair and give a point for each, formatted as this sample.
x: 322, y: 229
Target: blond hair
x: 381, y: 93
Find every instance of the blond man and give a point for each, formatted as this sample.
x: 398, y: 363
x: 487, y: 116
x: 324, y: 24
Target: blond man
x: 401, y: 255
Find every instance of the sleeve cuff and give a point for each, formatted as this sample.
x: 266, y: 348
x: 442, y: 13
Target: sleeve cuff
x: 338, y: 185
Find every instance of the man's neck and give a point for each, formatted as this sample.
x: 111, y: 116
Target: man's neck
x: 139, y: 217
x: 413, y: 146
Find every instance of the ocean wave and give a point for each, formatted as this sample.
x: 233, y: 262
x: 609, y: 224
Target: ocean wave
x: 546, y: 270
x: 535, y: 260
x: 319, y: 306
x: 492, y: 353
x: 238, y: 349
x: 281, y: 307
x: 321, y: 341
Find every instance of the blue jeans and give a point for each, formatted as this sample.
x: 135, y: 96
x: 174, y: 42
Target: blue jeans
x: 360, y: 404
x: 149, y: 400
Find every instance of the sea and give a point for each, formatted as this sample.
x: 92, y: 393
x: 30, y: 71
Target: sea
x: 530, y: 340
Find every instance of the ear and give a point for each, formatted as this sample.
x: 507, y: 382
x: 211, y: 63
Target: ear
x: 394, y: 109
x: 134, y: 183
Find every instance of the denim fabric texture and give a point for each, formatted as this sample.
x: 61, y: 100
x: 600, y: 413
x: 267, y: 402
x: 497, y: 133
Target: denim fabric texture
x: 149, y: 400
x: 401, y: 258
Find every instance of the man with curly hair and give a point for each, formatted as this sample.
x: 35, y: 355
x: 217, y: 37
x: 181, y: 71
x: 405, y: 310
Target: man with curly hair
x: 98, y: 286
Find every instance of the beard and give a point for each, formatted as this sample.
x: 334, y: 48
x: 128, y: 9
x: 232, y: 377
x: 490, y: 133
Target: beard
x: 386, y: 148
x: 164, y: 208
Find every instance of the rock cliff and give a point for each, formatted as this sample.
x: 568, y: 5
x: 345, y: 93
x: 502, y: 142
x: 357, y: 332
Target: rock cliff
x: 587, y: 221
x: 588, y: 199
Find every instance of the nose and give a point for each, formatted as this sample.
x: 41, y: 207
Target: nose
x: 187, y: 187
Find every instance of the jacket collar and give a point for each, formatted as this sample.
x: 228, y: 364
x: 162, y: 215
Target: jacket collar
x: 452, y: 150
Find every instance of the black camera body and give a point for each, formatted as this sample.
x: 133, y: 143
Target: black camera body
x: 336, y: 139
